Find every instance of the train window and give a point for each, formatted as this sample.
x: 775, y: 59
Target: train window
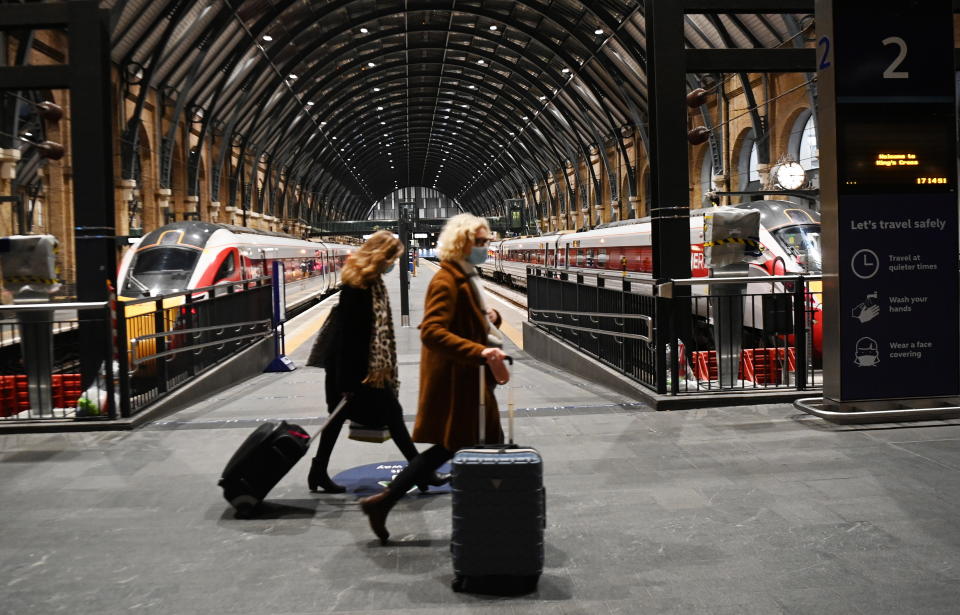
x: 160, y: 270
x: 602, y: 257
x: 580, y: 257
x: 227, y: 267
x: 803, y: 243
x: 590, y: 257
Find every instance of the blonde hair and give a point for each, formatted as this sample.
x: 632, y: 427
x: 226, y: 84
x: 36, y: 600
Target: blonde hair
x: 457, y: 233
x: 364, y: 265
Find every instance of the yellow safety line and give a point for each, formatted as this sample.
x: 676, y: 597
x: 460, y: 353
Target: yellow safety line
x: 297, y: 339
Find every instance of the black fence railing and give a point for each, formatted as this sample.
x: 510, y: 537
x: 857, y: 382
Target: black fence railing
x: 724, y: 335
x: 149, y: 348
x: 40, y: 349
x: 170, y: 339
x: 610, y: 319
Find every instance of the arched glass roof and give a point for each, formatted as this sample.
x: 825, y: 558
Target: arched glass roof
x: 351, y: 98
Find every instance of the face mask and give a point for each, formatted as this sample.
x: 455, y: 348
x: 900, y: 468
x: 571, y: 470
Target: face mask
x: 478, y: 255
x: 390, y: 268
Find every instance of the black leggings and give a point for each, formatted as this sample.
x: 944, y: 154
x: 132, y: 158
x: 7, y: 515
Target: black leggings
x: 419, y: 470
x: 392, y: 415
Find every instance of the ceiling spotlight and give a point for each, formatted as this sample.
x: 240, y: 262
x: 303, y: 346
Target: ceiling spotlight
x: 598, y: 31
x: 371, y: 64
x: 334, y: 138
x: 565, y: 70
x: 386, y: 135
x: 472, y: 87
x: 267, y: 37
x: 292, y: 76
x: 493, y: 27
x: 379, y: 108
x: 323, y: 123
x: 363, y: 30
x: 543, y: 98
x: 384, y: 123
x: 376, y: 89
x: 309, y: 103
x: 481, y: 62
x: 525, y: 118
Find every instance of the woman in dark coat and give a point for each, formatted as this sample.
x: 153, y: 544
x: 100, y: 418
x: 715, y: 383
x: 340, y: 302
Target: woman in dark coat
x: 364, y: 366
x: 457, y: 338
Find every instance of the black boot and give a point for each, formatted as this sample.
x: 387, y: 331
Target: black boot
x: 318, y: 476
x: 437, y: 479
x: 377, y: 507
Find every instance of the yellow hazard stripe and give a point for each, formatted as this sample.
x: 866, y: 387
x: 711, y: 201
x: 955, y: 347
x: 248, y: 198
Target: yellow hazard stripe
x: 753, y: 243
x: 29, y: 280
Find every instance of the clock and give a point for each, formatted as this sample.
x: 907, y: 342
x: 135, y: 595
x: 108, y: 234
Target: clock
x: 789, y: 175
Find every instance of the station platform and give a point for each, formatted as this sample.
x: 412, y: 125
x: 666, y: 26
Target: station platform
x: 736, y: 510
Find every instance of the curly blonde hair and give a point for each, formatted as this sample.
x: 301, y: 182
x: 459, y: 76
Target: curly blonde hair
x: 457, y: 233
x: 366, y: 264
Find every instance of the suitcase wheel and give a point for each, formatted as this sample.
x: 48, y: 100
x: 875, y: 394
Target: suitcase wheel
x: 244, y: 504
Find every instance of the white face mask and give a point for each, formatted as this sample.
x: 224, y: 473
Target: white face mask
x: 390, y: 268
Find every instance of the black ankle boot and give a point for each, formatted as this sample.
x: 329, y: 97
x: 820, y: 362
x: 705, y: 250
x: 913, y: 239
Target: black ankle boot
x: 318, y: 477
x: 377, y: 507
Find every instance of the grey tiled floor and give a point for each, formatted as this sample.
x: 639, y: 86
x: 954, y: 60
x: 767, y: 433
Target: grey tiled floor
x: 749, y: 510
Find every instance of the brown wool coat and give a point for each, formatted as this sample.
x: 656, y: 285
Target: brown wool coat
x: 453, y: 335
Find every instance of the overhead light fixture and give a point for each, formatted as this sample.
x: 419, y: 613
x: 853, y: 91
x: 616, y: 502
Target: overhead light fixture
x: 565, y: 70
x: 267, y: 37
x: 525, y: 118
x: 292, y: 76
x: 376, y: 89
x: 334, y: 138
x: 310, y: 103
x: 543, y: 98
x: 481, y: 62
x: 598, y: 31
x: 384, y: 123
x: 363, y: 30
x: 323, y: 123
x: 385, y: 134
x: 472, y: 87
x: 379, y: 108
x: 371, y: 64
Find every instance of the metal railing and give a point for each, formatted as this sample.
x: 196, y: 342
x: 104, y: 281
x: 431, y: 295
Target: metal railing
x: 40, y: 361
x: 173, y: 338
x: 145, y: 349
x: 697, y: 335
x: 612, y: 319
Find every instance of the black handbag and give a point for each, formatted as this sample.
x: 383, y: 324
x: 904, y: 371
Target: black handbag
x: 327, y: 340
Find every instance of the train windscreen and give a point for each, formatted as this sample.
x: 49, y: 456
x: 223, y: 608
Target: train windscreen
x: 803, y: 242
x: 158, y: 271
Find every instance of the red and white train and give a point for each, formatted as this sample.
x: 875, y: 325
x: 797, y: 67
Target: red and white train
x: 192, y: 254
x: 789, y: 234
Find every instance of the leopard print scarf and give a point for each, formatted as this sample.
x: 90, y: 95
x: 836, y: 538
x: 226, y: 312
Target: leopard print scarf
x: 382, y: 365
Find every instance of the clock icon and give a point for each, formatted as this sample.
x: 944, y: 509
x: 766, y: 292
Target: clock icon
x: 865, y: 264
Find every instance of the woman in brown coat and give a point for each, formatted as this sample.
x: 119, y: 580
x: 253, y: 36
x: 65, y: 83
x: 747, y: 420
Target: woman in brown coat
x: 457, y: 338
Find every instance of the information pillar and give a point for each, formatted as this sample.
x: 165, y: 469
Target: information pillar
x: 887, y: 137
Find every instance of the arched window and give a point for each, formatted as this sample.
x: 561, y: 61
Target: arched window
x: 706, y: 178
x: 807, y: 156
x: 747, y: 165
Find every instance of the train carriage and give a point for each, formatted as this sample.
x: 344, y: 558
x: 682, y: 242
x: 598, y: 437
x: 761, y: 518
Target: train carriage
x: 789, y: 236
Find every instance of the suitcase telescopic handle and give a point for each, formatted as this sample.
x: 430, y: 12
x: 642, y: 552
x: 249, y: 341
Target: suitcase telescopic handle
x: 483, y: 403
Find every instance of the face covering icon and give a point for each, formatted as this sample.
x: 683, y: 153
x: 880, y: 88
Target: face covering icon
x: 867, y: 353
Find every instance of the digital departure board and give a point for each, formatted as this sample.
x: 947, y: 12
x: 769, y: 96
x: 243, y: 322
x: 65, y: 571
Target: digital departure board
x: 909, y: 154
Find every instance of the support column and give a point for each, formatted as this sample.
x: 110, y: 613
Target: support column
x: 669, y: 180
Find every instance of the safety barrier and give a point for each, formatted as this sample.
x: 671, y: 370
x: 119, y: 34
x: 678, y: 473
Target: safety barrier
x: 698, y: 335
x: 145, y: 349
x: 40, y: 365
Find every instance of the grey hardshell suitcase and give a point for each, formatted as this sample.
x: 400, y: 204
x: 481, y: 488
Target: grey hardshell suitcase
x: 499, y: 514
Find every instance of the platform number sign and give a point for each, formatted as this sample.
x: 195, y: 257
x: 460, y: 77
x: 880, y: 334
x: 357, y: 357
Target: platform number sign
x: 888, y: 146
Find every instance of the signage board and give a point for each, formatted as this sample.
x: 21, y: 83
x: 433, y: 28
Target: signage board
x: 888, y: 145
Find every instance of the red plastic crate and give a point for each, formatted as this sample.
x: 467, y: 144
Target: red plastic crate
x: 66, y: 390
x: 14, y: 395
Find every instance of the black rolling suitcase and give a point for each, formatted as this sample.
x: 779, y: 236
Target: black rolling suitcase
x: 262, y: 460
x: 499, y: 514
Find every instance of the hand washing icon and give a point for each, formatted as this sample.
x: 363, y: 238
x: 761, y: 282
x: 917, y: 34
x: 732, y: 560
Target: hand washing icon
x: 868, y: 310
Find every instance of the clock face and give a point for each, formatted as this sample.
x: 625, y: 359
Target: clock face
x: 791, y: 176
